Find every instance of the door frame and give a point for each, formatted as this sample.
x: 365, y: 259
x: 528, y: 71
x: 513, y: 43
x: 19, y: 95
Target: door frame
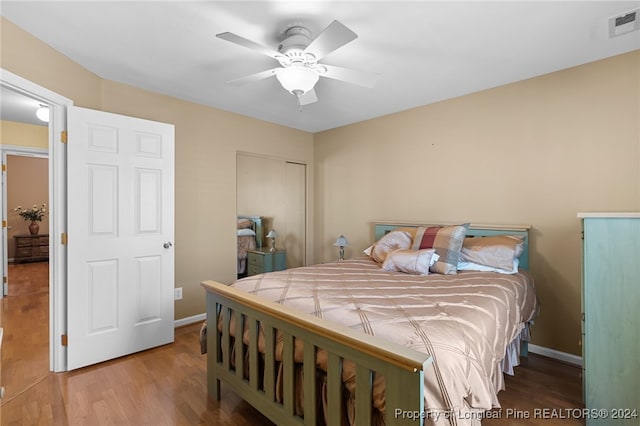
x: 58, y: 105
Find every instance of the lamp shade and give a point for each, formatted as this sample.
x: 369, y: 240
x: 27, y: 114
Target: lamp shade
x: 297, y: 79
x: 43, y: 113
x: 272, y: 234
x: 341, y: 241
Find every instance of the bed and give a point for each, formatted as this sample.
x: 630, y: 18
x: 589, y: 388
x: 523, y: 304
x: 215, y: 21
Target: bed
x: 377, y: 346
x: 249, y: 233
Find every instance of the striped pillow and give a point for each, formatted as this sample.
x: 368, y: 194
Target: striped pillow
x: 447, y: 241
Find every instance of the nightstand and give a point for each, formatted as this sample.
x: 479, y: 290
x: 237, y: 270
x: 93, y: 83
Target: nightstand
x: 262, y: 260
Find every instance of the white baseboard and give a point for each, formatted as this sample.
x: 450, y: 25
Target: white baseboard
x: 189, y: 320
x: 552, y: 353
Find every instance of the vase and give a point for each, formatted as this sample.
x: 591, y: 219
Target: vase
x: 34, y: 228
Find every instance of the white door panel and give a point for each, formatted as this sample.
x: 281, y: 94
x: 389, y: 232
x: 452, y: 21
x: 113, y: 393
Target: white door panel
x: 120, y: 214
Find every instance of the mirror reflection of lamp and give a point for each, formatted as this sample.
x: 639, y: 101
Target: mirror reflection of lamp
x: 273, y: 234
x: 342, y: 243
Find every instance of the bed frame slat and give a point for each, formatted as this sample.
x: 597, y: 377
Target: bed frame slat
x: 269, y: 364
x: 334, y: 390
x: 254, y: 380
x: 288, y: 370
x: 213, y: 351
x: 310, y: 384
x: 226, y: 339
x: 239, y: 323
x: 364, y: 392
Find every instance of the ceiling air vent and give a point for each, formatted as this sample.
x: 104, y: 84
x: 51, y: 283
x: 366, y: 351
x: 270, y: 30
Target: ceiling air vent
x: 623, y: 24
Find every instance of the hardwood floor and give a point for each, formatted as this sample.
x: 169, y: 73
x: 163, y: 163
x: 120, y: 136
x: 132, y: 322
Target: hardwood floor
x: 24, y: 316
x: 167, y: 385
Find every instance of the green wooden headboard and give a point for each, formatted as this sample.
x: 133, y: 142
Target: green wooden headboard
x: 475, y: 231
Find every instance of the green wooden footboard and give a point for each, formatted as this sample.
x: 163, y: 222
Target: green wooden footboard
x: 403, y: 368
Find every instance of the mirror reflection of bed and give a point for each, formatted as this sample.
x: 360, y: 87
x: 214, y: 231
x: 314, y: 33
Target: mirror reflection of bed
x: 250, y: 232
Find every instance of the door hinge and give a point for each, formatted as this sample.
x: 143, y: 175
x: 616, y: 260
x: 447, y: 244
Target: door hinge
x: 4, y: 280
x: 4, y: 223
x: 63, y: 340
x: 63, y: 136
x: 4, y: 167
x: 63, y: 238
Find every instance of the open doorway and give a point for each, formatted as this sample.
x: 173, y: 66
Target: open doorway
x: 56, y: 132
x: 25, y: 189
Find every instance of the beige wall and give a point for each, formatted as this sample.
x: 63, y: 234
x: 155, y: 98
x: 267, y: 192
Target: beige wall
x: 207, y: 140
x: 535, y: 152
x: 21, y: 134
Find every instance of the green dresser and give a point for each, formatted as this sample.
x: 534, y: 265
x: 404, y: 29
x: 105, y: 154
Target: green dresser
x: 262, y: 260
x: 611, y: 318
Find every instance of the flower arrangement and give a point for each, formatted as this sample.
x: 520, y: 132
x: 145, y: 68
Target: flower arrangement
x: 33, y: 214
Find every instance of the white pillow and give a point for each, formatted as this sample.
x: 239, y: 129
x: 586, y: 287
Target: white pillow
x: 394, y: 240
x: 415, y: 262
x: 470, y: 266
x: 246, y: 232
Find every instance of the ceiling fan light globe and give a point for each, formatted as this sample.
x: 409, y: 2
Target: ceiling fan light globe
x: 297, y: 80
x: 43, y: 113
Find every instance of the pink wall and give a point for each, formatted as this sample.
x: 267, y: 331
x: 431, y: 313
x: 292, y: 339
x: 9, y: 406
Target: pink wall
x: 27, y: 184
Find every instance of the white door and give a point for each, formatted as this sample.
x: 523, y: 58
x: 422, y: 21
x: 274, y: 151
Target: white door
x: 120, y: 221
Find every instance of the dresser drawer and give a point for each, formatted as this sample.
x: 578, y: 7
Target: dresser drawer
x: 43, y: 251
x: 24, y: 251
x: 255, y: 259
x: 254, y: 270
x: 43, y: 241
x: 24, y: 242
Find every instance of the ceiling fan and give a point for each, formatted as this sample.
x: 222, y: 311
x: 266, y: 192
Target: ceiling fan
x: 298, y: 55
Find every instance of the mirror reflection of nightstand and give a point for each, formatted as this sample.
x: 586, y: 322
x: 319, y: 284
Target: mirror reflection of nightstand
x: 263, y: 260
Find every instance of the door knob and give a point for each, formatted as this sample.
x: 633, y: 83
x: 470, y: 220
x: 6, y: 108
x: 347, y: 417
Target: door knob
x: 167, y: 244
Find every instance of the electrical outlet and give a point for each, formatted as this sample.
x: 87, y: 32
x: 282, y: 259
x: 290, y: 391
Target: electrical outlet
x: 177, y: 293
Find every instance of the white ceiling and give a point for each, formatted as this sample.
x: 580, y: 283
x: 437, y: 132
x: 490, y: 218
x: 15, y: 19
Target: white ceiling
x: 425, y: 51
x: 15, y: 106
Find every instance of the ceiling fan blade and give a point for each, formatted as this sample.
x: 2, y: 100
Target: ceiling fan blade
x: 331, y: 38
x: 236, y: 39
x: 361, y: 78
x: 252, y: 77
x: 307, y: 98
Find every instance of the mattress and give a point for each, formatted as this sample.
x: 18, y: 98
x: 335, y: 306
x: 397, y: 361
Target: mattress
x: 464, y: 321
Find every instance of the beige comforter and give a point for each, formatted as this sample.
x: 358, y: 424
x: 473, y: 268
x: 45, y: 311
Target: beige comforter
x: 464, y: 321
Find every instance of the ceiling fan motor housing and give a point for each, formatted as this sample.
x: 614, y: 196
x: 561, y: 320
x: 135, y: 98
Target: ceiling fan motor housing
x: 297, y: 39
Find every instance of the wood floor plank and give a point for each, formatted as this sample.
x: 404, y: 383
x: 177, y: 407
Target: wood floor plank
x: 167, y: 385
